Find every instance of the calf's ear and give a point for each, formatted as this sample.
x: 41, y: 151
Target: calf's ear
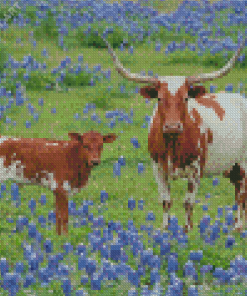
x: 109, y: 138
x: 75, y: 136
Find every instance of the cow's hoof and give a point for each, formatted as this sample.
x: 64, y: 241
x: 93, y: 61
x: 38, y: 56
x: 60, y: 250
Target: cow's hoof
x: 186, y: 228
x: 164, y: 227
x: 238, y: 229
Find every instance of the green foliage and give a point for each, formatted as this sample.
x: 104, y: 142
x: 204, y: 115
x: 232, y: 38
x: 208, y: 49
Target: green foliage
x: 93, y: 39
x: 38, y: 81
x: 3, y: 55
x: 31, y: 13
x: 8, y: 12
x: 72, y: 80
x: 102, y: 99
x: 47, y: 29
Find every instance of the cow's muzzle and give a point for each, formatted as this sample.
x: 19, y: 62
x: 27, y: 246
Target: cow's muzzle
x: 174, y: 128
x: 95, y: 162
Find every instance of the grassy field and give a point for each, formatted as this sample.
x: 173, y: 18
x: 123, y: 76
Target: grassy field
x: 161, y: 6
x: 130, y: 183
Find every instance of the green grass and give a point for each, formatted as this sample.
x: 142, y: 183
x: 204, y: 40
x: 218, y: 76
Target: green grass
x: 130, y: 183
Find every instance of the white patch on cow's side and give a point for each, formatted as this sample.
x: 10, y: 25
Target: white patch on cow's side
x: 51, y: 144
x: 228, y: 145
x: 51, y: 182
x: 174, y: 82
x: 13, y: 172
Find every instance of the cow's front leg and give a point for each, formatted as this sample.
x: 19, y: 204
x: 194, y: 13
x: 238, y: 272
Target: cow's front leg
x: 190, y: 197
x: 164, y: 193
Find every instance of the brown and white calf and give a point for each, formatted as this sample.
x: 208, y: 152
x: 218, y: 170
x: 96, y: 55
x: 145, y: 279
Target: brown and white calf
x: 62, y: 166
x: 194, y: 134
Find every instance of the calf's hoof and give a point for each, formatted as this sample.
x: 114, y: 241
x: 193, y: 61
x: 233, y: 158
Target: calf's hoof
x: 188, y: 228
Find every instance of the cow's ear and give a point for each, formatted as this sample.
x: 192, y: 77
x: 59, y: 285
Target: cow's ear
x: 196, y: 91
x: 76, y: 137
x: 149, y: 92
x: 109, y: 138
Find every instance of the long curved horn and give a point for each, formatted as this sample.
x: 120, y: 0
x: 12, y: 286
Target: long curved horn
x: 217, y: 74
x: 125, y: 73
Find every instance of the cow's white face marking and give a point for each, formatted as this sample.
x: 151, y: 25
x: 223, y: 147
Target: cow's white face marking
x: 174, y: 83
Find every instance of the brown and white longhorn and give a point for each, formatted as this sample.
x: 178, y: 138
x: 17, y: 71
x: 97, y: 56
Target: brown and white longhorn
x: 194, y: 134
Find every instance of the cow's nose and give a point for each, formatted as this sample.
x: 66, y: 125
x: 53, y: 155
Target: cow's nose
x: 173, y: 128
x: 95, y: 162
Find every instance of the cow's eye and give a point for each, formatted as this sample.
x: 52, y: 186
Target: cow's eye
x: 159, y: 99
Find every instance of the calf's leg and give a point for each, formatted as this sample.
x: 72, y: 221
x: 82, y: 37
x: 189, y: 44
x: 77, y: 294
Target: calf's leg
x: 62, y: 211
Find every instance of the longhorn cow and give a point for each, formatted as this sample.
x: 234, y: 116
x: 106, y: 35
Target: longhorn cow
x: 194, y: 134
